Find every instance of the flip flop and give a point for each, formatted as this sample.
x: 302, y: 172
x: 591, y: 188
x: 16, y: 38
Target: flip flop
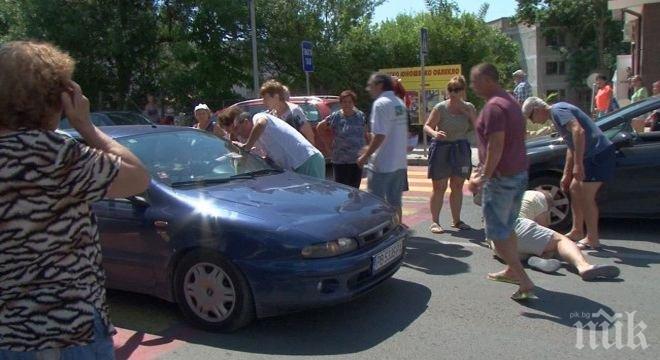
x: 601, y: 272
x: 502, y: 278
x: 462, y: 226
x: 545, y: 265
x: 523, y: 295
x: 436, y: 229
x: 584, y: 246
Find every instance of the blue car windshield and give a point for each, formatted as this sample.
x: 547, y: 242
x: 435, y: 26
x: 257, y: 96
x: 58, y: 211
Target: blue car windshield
x: 191, y: 156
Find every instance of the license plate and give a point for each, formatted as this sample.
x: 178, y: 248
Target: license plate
x: 387, y: 256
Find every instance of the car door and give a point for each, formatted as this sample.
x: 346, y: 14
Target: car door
x: 134, y: 250
x: 635, y: 189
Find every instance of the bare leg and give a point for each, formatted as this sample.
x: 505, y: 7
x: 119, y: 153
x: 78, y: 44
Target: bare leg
x: 437, y: 198
x: 577, y: 207
x: 569, y: 252
x: 508, y: 251
x: 456, y: 197
x: 589, y: 191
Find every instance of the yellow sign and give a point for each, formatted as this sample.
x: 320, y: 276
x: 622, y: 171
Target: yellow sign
x: 437, y: 78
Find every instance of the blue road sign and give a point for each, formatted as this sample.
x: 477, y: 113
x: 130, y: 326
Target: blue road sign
x: 307, y: 63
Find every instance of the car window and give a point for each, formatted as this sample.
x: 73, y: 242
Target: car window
x: 97, y: 120
x: 199, y: 156
x: 311, y: 111
x: 127, y: 118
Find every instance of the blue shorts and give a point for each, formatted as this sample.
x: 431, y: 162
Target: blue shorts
x: 388, y: 186
x: 600, y: 167
x: 100, y: 349
x: 501, y: 204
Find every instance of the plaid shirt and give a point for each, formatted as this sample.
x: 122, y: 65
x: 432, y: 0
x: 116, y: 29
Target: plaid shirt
x: 522, y: 91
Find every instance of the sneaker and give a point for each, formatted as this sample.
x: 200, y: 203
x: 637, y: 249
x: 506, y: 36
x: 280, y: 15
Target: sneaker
x: 544, y: 265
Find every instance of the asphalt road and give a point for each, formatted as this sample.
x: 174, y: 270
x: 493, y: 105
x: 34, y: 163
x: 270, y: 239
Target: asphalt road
x: 439, y: 305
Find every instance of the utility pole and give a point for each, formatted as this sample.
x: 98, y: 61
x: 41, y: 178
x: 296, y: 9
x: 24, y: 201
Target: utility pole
x: 423, y: 51
x: 255, y: 63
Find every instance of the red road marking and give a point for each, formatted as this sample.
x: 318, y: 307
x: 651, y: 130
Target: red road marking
x: 130, y: 344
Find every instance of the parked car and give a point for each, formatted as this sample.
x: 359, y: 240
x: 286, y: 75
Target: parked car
x: 635, y: 190
x: 112, y: 118
x: 230, y: 238
x: 316, y: 109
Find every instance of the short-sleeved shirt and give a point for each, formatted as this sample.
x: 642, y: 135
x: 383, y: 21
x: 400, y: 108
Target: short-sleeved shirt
x: 456, y: 126
x: 282, y: 143
x: 603, y: 98
x: 349, y: 136
x: 294, y: 116
x: 534, y: 203
x: 51, y: 278
x: 562, y: 113
x: 502, y: 113
x: 640, y: 94
x: 522, y: 91
x: 389, y: 117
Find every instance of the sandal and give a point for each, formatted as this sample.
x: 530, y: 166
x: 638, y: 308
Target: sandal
x: 600, y: 272
x: 462, y: 226
x: 523, y: 295
x: 436, y: 228
x: 502, y: 278
x: 584, y: 246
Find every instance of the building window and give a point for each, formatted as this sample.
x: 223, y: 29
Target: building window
x: 555, y: 39
x: 555, y: 94
x: 555, y: 68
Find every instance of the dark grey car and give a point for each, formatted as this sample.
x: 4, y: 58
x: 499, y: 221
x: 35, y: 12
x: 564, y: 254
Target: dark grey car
x: 635, y: 190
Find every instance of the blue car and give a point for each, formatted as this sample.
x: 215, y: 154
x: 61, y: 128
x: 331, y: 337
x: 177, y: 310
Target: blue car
x: 635, y: 189
x: 229, y: 237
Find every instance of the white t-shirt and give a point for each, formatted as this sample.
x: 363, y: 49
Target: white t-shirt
x: 282, y: 143
x: 533, y: 204
x: 389, y: 118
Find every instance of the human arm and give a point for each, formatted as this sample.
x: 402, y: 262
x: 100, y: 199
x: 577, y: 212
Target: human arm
x: 308, y: 132
x: 376, y: 141
x: 494, y: 152
x: 432, y: 124
x: 567, y: 177
x: 257, y: 130
x: 132, y: 177
x: 579, y: 141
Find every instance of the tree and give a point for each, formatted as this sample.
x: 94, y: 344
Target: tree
x: 594, y: 38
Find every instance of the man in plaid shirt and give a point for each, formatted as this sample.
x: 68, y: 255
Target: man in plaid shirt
x: 522, y: 90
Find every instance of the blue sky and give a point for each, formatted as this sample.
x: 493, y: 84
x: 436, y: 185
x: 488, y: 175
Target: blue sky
x: 498, y: 8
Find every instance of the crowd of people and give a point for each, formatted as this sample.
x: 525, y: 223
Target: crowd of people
x: 52, y: 295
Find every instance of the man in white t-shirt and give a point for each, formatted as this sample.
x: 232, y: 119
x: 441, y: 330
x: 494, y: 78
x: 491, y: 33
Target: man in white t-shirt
x: 386, y: 153
x: 280, y: 142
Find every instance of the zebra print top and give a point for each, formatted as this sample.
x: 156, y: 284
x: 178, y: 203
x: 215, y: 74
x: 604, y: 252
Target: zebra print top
x: 51, y: 279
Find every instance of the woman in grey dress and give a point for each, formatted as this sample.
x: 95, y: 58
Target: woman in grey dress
x: 450, y: 154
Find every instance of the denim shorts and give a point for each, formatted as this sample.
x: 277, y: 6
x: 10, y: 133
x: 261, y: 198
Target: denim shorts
x: 388, y: 186
x: 100, y: 349
x: 600, y: 167
x: 501, y: 204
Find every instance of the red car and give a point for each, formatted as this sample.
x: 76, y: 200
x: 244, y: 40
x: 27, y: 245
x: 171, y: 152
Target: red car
x: 316, y: 108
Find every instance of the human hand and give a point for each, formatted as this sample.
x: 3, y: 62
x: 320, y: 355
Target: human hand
x: 362, y: 160
x: 76, y: 107
x: 440, y: 135
x: 476, y: 182
x: 578, y: 172
x: 565, y: 183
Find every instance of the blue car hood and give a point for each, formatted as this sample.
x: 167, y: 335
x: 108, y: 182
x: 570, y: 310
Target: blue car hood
x: 544, y: 141
x: 288, y: 201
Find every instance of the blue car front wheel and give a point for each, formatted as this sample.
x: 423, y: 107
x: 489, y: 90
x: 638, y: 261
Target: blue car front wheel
x: 212, y: 293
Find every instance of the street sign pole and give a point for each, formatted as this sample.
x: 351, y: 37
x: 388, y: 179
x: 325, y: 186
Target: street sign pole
x: 423, y: 50
x: 307, y: 62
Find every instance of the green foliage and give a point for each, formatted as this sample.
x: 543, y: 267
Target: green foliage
x: 594, y: 38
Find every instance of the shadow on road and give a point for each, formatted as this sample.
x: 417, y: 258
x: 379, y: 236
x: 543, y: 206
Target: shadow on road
x: 628, y: 230
x: 343, y: 329
x: 562, y: 308
x: 435, y: 258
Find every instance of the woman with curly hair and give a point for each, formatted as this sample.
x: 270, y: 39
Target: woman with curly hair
x: 52, y: 294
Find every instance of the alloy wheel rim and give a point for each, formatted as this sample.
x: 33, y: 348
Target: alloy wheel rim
x: 209, y: 292
x: 561, y: 205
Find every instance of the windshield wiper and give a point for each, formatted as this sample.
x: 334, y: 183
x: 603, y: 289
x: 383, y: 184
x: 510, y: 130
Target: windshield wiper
x: 200, y: 182
x: 260, y: 172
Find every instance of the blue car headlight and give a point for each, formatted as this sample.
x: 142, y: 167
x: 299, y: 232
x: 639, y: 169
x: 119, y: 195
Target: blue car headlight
x: 329, y: 248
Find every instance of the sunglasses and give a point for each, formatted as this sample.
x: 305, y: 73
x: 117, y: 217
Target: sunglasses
x: 455, y: 90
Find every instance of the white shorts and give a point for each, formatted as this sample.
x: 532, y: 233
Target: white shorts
x: 532, y: 237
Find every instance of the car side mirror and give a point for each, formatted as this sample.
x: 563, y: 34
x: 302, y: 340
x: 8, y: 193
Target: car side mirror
x: 138, y: 201
x: 623, y: 139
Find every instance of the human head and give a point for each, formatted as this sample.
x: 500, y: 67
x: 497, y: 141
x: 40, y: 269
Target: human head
x: 202, y: 113
x: 32, y: 78
x: 536, y: 110
x: 484, y: 80
x: 601, y: 81
x: 656, y: 88
x: 233, y: 120
x: 456, y: 87
x: 273, y: 93
x: 151, y: 99
x: 636, y: 81
x: 347, y: 99
x: 379, y: 83
x: 518, y: 76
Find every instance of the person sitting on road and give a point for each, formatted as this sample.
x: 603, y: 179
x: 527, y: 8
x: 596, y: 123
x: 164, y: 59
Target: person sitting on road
x: 590, y: 162
x: 539, y: 245
x: 535, y: 205
x: 275, y: 97
x: 285, y: 146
